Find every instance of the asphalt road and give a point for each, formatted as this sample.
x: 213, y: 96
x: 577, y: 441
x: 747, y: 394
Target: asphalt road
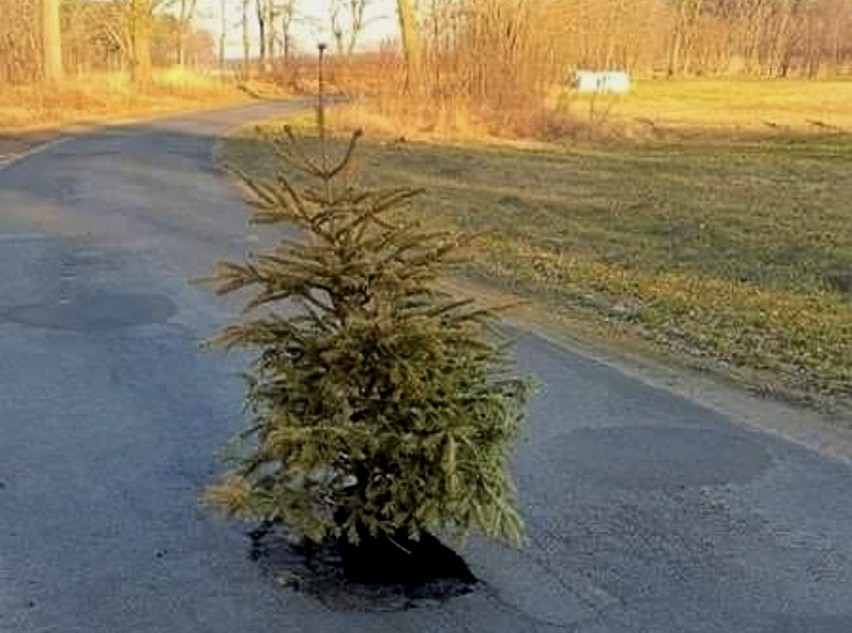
x: 647, y: 512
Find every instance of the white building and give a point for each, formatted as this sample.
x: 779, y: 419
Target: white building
x: 586, y: 81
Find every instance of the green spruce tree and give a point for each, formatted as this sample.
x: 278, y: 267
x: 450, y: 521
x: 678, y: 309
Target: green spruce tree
x: 381, y: 407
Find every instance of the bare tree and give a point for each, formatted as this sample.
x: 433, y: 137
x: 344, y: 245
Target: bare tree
x: 271, y: 14
x: 260, y: 7
x: 335, y: 9
x: 348, y: 21
x: 441, y: 38
x: 246, y: 39
x: 139, y: 28
x: 223, y: 32
x: 687, y: 15
x: 288, y: 16
x: 410, y: 39
x: 186, y: 12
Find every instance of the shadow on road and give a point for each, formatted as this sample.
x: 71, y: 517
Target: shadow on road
x: 645, y: 511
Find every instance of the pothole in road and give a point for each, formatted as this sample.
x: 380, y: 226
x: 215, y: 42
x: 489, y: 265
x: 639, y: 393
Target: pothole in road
x: 662, y: 457
x: 392, y: 581
x: 93, y: 312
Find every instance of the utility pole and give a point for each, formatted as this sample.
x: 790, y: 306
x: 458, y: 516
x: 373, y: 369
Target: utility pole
x: 321, y: 47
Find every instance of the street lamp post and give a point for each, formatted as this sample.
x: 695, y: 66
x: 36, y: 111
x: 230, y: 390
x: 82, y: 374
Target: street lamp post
x: 322, y: 46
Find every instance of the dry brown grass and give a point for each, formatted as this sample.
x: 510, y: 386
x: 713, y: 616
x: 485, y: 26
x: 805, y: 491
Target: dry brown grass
x: 484, y: 72
x: 657, y: 109
x: 439, y: 111
x: 497, y: 71
x: 456, y: 119
x: 105, y: 97
x: 403, y: 118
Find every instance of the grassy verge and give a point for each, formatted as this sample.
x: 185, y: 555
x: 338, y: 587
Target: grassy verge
x: 702, y: 107
x: 655, y: 110
x: 732, y: 255
x: 104, y: 98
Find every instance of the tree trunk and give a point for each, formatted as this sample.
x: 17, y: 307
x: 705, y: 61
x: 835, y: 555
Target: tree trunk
x: 187, y: 13
x: 223, y: 34
x: 246, y: 41
x: 270, y: 35
x: 261, y: 25
x: 141, y: 20
x: 52, y: 40
x: 410, y: 40
x: 674, y: 50
x: 180, y: 57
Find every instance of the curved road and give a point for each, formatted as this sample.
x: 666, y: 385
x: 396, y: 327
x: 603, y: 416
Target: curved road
x: 646, y: 511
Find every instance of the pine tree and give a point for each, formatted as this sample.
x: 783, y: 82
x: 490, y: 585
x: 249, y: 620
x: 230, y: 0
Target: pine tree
x: 381, y: 407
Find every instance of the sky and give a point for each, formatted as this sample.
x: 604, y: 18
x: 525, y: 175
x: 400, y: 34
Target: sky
x: 313, y: 23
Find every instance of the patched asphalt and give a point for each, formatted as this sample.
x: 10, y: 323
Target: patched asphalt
x: 646, y: 512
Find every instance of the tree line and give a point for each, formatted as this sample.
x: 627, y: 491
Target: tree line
x: 484, y: 40
x: 472, y: 41
x: 49, y: 39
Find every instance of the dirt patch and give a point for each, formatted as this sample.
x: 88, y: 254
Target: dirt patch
x: 363, y: 579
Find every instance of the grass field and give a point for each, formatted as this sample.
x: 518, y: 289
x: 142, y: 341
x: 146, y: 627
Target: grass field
x: 732, y: 254
x: 726, y: 106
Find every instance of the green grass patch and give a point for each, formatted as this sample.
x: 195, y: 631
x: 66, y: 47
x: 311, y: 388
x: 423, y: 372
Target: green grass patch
x: 736, y: 253
x: 710, y: 106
